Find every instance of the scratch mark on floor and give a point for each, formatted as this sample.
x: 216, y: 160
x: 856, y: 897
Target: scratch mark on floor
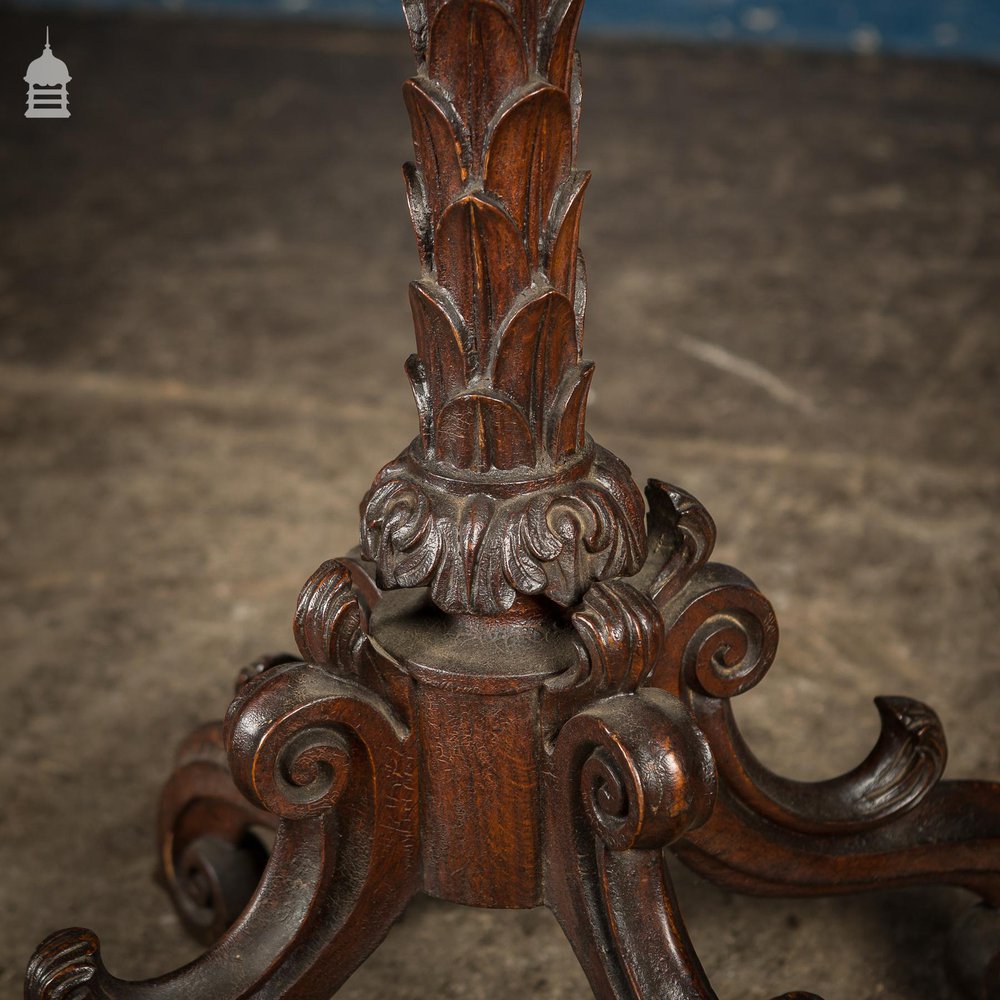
x: 749, y: 371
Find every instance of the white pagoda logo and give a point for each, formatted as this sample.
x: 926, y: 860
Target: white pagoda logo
x: 47, y: 78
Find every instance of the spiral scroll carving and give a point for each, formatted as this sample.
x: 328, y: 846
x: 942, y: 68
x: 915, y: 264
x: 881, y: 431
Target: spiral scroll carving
x: 309, y: 772
x: 725, y: 639
x: 643, y: 769
x: 295, y: 735
x: 722, y: 638
x: 300, y: 767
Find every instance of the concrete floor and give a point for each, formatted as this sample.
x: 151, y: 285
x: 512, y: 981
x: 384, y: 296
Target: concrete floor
x: 795, y: 314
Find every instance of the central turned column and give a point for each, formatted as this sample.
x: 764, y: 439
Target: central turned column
x: 502, y: 507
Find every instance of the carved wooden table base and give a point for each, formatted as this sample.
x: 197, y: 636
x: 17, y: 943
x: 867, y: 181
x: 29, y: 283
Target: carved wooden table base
x: 516, y: 693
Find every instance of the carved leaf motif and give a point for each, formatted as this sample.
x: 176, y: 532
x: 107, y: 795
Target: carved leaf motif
x: 481, y: 431
x: 681, y: 537
x: 553, y: 542
x: 416, y: 21
x: 907, y: 761
x: 519, y: 563
x: 330, y: 622
x: 420, y: 216
x: 576, y: 101
x: 67, y: 965
x: 580, y: 297
x: 439, y: 344
x: 475, y: 50
x: 471, y: 531
x: 566, y: 533
x: 534, y: 350
x: 435, y: 145
x: 480, y: 260
x: 417, y: 374
x: 566, y: 432
x: 530, y: 155
x: 432, y: 7
x: 564, y: 240
x: 526, y: 15
x: 555, y: 56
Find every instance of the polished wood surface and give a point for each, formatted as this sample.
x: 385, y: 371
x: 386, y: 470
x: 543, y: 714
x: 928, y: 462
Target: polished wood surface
x: 517, y: 691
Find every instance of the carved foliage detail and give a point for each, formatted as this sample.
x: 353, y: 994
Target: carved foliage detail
x: 498, y: 377
x: 495, y: 202
x: 331, y: 622
x: 478, y: 551
x: 908, y: 760
x: 680, y: 539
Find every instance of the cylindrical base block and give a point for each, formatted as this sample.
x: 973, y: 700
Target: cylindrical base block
x: 478, y: 686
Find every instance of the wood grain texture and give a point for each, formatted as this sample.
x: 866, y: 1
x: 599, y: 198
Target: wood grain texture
x: 485, y: 850
x: 515, y: 693
x: 499, y: 380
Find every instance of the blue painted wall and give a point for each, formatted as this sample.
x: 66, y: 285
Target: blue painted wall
x: 958, y: 28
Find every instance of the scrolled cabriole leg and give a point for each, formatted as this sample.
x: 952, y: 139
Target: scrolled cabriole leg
x: 891, y: 821
x: 332, y: 763
x: 628, y: 776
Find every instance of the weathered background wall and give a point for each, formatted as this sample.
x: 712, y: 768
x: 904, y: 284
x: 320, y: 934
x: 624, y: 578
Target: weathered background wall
x: 962, y: 28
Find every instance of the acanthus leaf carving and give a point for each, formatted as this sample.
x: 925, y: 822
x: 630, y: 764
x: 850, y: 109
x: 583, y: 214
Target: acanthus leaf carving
x: 499, y: 382
x: 619, y: 638
x: 559, y: 42
x: 483, y: 431
x: 415, y: 13
x: 416, y: 372
x: 65, y: 966
x: 680, y: 538
x: 563, y: 241
x: 552, y: 541
x: 565, y: 431
x: 420, y: 215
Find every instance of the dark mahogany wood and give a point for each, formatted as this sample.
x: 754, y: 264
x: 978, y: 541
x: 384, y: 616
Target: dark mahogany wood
x: 516, y: 692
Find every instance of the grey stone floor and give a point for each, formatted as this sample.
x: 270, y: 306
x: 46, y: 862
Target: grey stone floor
x: 795, y: 313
